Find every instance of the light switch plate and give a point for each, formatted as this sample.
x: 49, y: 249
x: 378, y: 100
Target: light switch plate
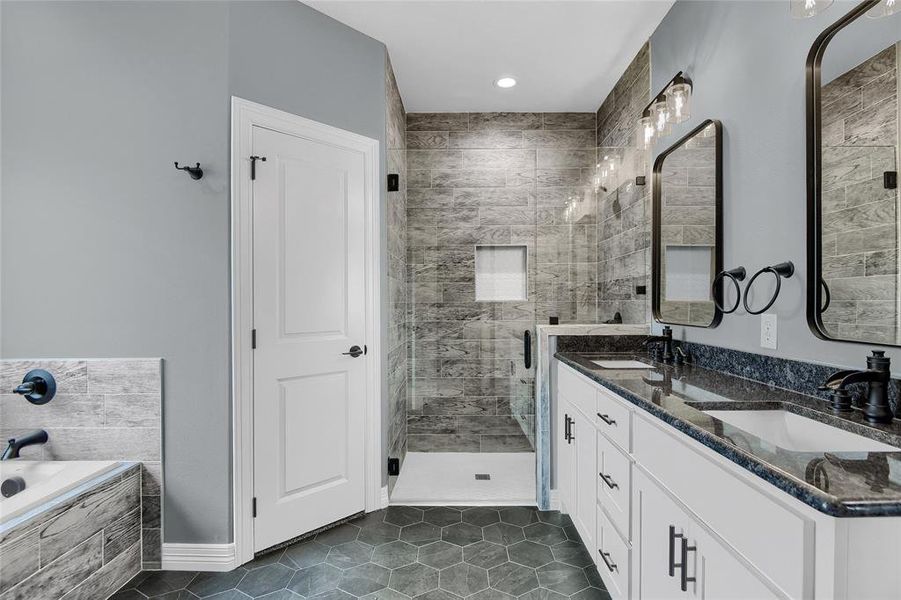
x: 768, y: 331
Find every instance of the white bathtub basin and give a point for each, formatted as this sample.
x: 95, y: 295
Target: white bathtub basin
x: 794, y: 432
x: 45, y: 480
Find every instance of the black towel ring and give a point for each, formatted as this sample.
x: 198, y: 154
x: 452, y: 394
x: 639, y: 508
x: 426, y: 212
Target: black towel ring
x: 735, y: 275
x: 827, y: 295
x: 786, y: 270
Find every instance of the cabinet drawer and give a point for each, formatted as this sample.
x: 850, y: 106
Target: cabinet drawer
x: 613, y: 558
x: 751, y: 521
x: 613, y: 418
x: 614, y: 489
x: 577, y: 389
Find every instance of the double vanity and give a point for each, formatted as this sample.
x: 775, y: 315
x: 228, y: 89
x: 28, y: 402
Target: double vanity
x: 692, y: 483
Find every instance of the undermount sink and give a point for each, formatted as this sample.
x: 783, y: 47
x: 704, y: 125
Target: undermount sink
x: 621, y: 364
x: 799, y: 434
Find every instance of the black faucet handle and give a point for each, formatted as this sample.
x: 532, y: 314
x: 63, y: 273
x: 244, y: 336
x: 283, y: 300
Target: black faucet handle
x: 840, y: 400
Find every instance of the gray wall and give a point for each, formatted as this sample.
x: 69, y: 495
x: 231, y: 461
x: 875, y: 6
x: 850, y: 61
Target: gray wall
x: 107, y: 251
x: 747, y: 62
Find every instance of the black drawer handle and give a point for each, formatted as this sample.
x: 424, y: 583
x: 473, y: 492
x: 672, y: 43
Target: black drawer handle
x: 605, y: 556
x: 606, y: 419
x: 672, y: 550
x: 685, y: 550
x: 609, y: 481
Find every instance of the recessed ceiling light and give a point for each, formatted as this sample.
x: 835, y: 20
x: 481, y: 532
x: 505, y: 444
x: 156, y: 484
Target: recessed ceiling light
x: 505, y: 82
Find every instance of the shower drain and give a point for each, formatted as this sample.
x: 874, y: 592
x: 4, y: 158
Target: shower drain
x: 482, y: 476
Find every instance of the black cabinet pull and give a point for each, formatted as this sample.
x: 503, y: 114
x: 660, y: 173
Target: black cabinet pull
x: 606, y: 419
x: 685, y: 550
x: 672, y: 550
x: 567, y: 428
x: 609, y: 481
x: 571, y: 436
x: 608, y: 560
x: 527, y: 348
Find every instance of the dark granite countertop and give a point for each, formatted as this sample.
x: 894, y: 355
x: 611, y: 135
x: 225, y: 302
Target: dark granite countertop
x: 841, y: 484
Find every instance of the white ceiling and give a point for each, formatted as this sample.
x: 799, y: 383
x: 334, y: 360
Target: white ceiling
x: 566, y: 55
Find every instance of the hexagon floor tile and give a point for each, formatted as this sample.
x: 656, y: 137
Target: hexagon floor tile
x: 407, y: 553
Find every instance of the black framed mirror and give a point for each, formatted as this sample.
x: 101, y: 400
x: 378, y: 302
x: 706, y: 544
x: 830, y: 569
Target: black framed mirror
x: 853, y: 212
x: 687, y: 228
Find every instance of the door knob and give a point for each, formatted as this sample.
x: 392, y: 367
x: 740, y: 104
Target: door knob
x: 354, y: 352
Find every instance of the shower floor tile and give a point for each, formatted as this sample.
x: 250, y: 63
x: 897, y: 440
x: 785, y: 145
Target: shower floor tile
x: 449, y: 479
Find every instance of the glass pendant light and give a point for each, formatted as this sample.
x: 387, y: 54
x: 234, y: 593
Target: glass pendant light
x: 803, y: 9
x: 678, y: 101
x: 660, y: 117
x: 645, y: 132
x: 884, y: 9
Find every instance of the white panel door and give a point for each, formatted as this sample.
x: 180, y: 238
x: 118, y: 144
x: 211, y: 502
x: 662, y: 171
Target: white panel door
x: 309, y: 309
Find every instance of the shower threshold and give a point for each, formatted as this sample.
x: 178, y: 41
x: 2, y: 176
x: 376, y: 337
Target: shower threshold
x: 459, y: 479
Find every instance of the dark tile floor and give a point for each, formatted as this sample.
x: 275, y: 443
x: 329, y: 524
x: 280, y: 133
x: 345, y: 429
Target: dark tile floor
x: 404, y: 552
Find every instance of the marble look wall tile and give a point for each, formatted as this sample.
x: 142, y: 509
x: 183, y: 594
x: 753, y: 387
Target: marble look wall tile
x: 485, y: 139
x: 427, y: 139
x: 61, y: 576
x: 88, y: 517
x: 122, y: 534
x: 437, y: 122
x: 504, y: 120
x: 578, y: 138
x: 110, y: 577
x: 498, y: 179
x: 20, y: 558
x: 71, y: 375
x: 569, y: 120
x: 121, y: 376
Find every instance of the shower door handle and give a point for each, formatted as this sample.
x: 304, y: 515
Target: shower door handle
x: 527, y: 348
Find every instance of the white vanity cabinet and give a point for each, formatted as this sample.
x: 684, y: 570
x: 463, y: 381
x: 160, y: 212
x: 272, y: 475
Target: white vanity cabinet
x: 661, y: 512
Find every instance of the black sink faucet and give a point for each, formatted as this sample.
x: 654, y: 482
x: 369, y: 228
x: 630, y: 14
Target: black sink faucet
x: 667, y: 339
x: 877, y: 376
x: 38, y: 436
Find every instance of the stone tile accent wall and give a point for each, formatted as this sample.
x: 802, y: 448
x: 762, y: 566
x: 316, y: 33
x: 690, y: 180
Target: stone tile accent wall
x: 494, y: 179
x: 624, y: 211
x: 860, y: 230
x: 104, y: 409
x: 398, y: 330
x: 689, y: 217
x: 85, y: 548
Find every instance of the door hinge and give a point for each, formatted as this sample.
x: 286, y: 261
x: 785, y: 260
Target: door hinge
x: 254, y: 505
x: 253, y: 166
x: 253, y: 339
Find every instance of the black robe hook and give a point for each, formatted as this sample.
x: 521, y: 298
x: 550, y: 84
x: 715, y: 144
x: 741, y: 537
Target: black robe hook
x: 195, y: 172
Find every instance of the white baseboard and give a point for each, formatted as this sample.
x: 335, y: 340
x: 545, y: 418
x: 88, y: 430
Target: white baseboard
x: 385, y: 499
x: 555, y: 500
x: 199, y: 557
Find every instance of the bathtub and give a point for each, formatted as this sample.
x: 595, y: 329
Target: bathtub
x: 75, y: 529
x: 45, y: 481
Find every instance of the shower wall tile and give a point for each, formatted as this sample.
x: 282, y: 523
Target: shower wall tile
x: 423, y: 149
x: 623, y: 215
x: 105, y: 409
x: 491, y: 178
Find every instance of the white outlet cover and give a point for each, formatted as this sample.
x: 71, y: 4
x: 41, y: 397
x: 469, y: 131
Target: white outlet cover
x: 768, y: 331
